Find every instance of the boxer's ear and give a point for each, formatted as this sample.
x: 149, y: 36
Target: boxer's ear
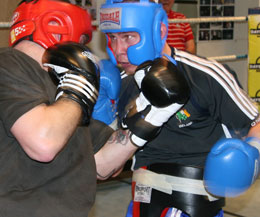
x: 163, y: 30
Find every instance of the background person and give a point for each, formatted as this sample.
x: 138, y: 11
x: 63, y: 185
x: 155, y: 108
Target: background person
x: 180, y: 35
x: 47, y: 159
x: 179, y: 149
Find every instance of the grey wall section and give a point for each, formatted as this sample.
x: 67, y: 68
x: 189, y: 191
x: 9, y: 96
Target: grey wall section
x: 190, y: 11
x: 98, y: 44
x: 6, y: 10
x: 237, y: 46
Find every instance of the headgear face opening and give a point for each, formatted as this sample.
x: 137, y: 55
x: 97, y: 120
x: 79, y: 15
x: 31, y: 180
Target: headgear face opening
x: 143, y: 17
x: 48, y: 22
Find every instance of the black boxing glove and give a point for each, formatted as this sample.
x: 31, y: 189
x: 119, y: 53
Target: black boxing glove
x: 164, y: 90
x: 77, y: 72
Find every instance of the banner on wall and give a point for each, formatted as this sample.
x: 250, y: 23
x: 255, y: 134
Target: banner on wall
x: 216, y: 30
x: 254, y: 54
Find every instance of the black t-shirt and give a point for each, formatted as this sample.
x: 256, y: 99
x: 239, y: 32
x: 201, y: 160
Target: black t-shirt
x: 217, y: 108
x: 64, y: 187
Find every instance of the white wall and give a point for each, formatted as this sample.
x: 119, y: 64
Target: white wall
x: 98, y: 42
x: 238, y: 46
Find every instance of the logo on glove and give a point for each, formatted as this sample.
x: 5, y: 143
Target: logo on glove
x: 92, y: 57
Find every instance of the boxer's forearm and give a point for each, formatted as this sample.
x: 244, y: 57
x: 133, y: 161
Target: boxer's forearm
x: 113, y: 155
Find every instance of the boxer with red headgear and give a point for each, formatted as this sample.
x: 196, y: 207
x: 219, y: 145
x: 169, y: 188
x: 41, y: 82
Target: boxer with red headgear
x: 46, y: 149
x: 49, y: 22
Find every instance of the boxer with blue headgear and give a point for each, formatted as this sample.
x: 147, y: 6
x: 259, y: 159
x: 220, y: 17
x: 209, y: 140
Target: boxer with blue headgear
x: 146, y: 19
x: 144, y: 51
x: 178, y: 114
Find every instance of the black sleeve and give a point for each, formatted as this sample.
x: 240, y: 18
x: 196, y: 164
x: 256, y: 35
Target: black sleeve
x: 231, y: 105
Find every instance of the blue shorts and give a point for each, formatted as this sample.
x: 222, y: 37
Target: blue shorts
x: 168, y: 212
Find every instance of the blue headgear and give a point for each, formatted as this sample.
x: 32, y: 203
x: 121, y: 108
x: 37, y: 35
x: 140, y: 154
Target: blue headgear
x: 143, y: 17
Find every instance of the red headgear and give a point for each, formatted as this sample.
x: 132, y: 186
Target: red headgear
x: 41, y: 20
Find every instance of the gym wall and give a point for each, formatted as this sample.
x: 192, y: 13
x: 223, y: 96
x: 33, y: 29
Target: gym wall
x: 6, y: 10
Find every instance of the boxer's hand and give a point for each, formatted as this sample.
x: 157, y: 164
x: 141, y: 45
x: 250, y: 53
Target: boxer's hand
x: 164, y: 90
x: 105, y: 109
x: 77, y: 71
x: 232, y: 166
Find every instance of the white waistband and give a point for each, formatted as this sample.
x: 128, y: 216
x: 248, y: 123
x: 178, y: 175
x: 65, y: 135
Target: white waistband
x: 167, y: 183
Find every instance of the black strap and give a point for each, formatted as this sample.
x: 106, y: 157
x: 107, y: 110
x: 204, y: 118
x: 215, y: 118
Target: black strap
x: 174, y: 169
x: 129, y: 91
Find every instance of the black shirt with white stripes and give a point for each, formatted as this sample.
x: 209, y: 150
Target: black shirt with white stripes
x: 217, y: 108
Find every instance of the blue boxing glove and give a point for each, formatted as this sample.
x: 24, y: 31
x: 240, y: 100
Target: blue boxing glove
x: 232, y: 166
x: 105, y: 109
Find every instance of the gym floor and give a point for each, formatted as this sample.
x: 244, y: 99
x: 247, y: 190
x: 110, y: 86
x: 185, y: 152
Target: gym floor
x: 114, y: 195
